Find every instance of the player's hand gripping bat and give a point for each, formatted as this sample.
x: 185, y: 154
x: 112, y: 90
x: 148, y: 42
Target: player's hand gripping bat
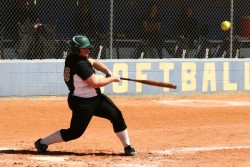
x: 153, y: 83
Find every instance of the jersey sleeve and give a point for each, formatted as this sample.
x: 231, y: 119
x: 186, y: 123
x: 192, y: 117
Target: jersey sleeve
x: 84, y: 69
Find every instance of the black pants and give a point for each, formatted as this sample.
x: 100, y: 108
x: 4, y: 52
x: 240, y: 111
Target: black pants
x: 83, y: 109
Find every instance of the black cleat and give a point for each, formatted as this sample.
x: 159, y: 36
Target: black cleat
x: 41, y: 148
x: 130, y: 151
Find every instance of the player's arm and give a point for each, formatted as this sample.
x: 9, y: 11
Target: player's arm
x: 98, y: 65
x: 95, y: 82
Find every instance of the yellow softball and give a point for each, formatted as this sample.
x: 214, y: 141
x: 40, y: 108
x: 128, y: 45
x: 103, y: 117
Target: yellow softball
x: 225, y: 25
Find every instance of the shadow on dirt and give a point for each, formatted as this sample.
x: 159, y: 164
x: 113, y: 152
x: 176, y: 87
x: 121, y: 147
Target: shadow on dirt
x: 30, y: 152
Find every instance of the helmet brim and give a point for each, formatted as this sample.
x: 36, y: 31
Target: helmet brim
x: 88, y: 46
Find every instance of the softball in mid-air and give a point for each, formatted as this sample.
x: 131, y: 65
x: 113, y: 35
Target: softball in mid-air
x: 225, y: 25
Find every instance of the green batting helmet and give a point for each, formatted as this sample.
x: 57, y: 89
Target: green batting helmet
x: 82, y: 41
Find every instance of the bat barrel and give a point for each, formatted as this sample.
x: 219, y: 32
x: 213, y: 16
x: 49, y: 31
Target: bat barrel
x: 153, y: 83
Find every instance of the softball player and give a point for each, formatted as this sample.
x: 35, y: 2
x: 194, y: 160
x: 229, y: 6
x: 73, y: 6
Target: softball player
x: 85, y: 98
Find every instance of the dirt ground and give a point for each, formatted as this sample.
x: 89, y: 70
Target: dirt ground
x: 174, y: 131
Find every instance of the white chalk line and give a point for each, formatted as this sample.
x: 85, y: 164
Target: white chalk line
x: 196, y: 149
x: 7, y: 148
x: 50, y: 158
x: 203, y: 103
x: 57, y: 159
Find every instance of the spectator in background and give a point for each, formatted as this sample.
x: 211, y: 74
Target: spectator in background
x: 84, y: 24
x: 16, y: 13
x: 152, y: 37
x: 187, y: 30
x: 99, y: 42
x: 32, y: 34
x: 9, y: 29
x: 27, y: 23
x: 224, y: 48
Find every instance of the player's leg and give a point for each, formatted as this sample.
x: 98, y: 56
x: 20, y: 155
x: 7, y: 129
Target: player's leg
x: 110, y: 111
x: 82, y: 112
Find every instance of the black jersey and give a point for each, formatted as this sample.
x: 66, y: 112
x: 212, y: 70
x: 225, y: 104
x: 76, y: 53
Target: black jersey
x: 76, y: 70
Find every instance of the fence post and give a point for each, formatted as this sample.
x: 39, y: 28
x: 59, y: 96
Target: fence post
x: 111, y: 27
x: 231, y: 29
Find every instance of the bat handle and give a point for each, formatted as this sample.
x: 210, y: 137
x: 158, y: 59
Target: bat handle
x: 125, y: 79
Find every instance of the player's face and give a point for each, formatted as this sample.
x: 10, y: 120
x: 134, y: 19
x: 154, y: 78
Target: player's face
x: 84, y: 52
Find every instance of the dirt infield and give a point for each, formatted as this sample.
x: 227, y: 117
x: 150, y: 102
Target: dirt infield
x: 175, y: 131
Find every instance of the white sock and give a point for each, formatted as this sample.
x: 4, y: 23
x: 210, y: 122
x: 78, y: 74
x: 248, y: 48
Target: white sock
x: 53, y: 138
x: 124, y: 138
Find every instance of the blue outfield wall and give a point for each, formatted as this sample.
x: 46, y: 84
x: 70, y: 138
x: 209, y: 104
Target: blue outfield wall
x: 45, y: 77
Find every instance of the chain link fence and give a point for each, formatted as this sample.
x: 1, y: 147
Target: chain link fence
x: 125, y: 29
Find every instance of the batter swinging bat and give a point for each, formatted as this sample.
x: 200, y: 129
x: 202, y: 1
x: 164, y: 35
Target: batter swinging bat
x: 153, y: 83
